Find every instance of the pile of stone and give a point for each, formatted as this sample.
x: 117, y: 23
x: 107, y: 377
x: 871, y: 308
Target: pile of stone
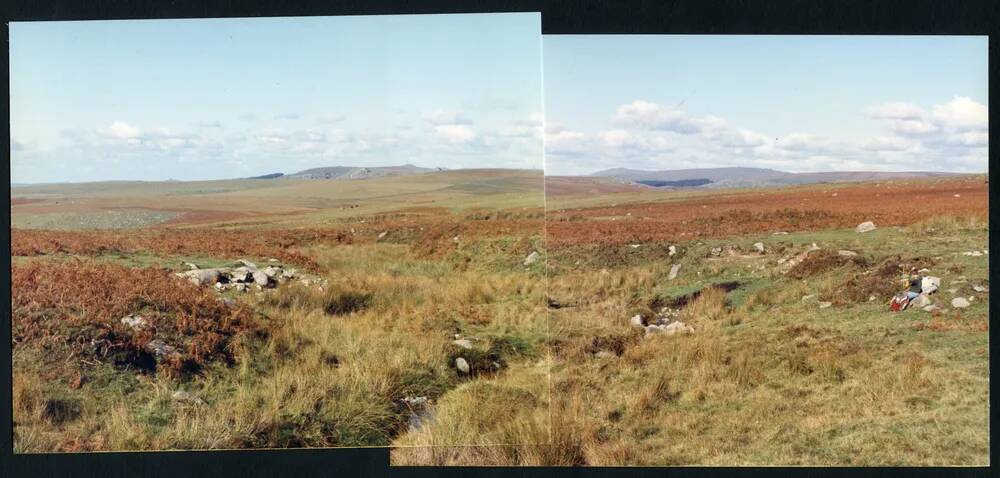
x: 789, y: 262
x: 664, y: 323
x: 241, y: 277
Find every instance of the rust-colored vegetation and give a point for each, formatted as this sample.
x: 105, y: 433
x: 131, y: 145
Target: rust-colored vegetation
x: 742, y: 213
x: 279, y: 244
x: 75, y: 309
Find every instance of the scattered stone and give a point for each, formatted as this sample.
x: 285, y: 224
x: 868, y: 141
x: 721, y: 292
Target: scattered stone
x: 531, y: 258
x: 866, y: 226
x: 464, y: 343
x: 847, y: 253
x: 134, y: 321
x: 823, y: 305
x: 272, y: 271
x: 808, y: 297
x: 636, y: 321
x: 930, y: 284
x: 780, y: 233
x: 419, y: 401
x: 160, y: 349
x: 979, y: 288
x: 677, y: 327
x: 455, y: 239
x: 960, y: 302
x: 930, y: 308
x: 634, y: 246
x: 462, y: 365
x: 716, y: 251
x: 191, y: 266
x: 273, y: 260
x: 674, y: 269
x: 672, y: 250
x: 261, y: 279
x: 759, y: 246
x: 186, y: 397
x: 920, y: 301
x: 958, y: 195
x: 240, y: 287
x: 201, y: 276
x: 382, y: 234
x: 247, y: 264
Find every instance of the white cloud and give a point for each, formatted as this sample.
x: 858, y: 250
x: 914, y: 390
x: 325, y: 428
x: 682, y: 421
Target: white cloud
x: 617, y: 138
x: 455, y: 133
x: 912, y: 126
x: 445, y: 117
x: 962, y: 113
x: 888, y: 143
x: 122, y: 130
x: 970, y: 139
x: 950, y: 137
x: 897, y: 110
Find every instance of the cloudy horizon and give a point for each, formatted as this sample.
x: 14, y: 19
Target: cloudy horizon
x: 228, y: 98
x: 796, y: 104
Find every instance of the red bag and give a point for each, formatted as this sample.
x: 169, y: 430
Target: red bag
x: 899, y: 303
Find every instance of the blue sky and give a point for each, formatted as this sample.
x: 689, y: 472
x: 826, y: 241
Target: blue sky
x: 794, y: 103
x: 223, y: 98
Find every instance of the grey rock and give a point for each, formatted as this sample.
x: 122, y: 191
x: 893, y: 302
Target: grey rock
x: 866, y: 226
x: 531, y: 258
x: 847, y: 253
x: 247, y: 264
x: 160, y: 349
x: 462, y: 365
x: 134, y: 321
x: 464, y: 343
x: 674, y: 269
x: 202, y: 276
x: 759, y: 246
x: 930, y: 284
x: 824, y: 305
x: 960, y: 302
x: 636, y: 321
x: 261, y: 279
x: 672, y: 250
x: 920, y: 301
x: 186, y: 397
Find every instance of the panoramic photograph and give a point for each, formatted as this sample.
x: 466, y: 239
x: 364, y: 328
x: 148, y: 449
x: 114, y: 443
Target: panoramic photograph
x: 763, y: 250
x: 278, y: 232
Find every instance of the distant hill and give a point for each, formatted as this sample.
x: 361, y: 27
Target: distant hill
x: 352, y: 172
x: 268, y: 176
x: 749, y: 177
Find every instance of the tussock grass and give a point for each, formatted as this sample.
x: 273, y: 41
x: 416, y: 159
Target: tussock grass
x: 767, y: 378
x: 331, y: 370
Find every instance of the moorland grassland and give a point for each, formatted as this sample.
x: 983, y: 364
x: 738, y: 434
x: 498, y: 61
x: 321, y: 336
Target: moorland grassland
x: 794, y: 358
x: 356, y: 349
